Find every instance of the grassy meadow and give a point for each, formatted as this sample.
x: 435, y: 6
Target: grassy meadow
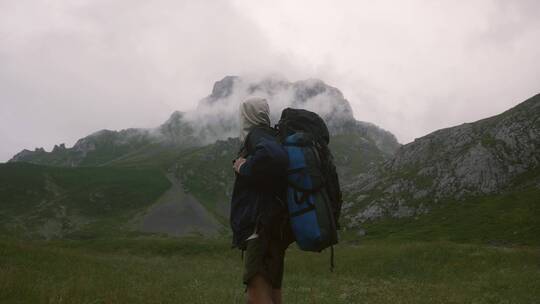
x: 192, y: 270
x: 479, y: 250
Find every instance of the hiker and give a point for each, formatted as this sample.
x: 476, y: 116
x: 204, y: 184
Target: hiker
x: 259, y: 218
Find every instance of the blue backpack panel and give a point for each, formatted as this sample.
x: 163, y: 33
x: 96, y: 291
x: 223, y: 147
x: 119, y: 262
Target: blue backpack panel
x: 310, y: 208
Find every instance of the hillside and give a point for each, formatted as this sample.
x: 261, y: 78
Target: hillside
x: 206, y: 171
x: 484, y: 161
x: 51, y: 202
x: 197, y: 149
x: 482, y: 176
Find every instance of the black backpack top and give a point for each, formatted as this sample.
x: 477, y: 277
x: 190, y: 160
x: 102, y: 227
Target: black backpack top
x: 299, y: 120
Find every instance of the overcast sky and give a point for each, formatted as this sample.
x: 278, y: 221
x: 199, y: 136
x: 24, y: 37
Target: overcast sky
x: 69, y: 68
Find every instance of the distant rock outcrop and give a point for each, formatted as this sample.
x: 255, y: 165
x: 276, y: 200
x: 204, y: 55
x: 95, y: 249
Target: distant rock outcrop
x: 95, y: 149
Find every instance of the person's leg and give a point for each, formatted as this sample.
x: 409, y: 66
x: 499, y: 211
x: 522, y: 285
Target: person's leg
x: 259, y: 287
x: 276, y: 296
x: 276, y: 265
x: 259, y: 291
x: 264, y: 267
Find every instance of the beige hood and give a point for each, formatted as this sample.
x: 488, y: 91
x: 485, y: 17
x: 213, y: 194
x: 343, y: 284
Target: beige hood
x: 253, y: 111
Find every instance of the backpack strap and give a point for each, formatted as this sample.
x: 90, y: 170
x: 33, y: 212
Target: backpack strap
x: 243, y: 148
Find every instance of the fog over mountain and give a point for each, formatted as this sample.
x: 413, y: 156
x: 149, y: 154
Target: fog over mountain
x: 216, y: 118
x: 68, y: 68
x: 220, y: 109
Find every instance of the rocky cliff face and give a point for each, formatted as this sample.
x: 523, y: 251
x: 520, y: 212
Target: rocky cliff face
x: 216, y: 118
x: 472, y: 159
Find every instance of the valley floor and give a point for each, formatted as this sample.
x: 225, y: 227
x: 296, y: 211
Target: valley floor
x: 152, y: 270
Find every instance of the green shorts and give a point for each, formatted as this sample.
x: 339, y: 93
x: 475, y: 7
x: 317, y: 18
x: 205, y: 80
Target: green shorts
x: 265, y: 257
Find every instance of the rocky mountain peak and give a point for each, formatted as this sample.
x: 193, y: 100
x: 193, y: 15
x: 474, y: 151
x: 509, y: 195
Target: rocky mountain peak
x: 58, y: 148
x: 223, y: 88
x: 175, y: 118
x: 312, y: 87
x: 311, y: 94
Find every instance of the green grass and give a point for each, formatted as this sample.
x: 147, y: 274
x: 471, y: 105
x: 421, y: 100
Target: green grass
x: 85, y: 198
x: 150, y: 156
x: 207, y: 271
x: 354, y: 154
x: 207, y: 174
x: 508, y: 218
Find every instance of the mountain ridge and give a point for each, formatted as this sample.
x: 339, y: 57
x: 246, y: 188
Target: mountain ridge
x: 473, y: 170
x: 215, y: 118
x: 473, y: 159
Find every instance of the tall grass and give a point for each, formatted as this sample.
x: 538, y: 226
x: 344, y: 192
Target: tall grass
x: 207, y: 271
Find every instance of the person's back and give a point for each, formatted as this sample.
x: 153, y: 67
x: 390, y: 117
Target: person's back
x: 258, y: 214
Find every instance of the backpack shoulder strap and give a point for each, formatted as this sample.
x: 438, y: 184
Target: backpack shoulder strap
x: 243, y: 152
x: 256, y: 133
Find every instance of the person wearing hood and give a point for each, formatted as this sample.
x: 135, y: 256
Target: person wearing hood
x: 259, y: 218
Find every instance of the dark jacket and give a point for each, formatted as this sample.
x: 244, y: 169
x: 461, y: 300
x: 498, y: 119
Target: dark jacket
x: 259, y: 189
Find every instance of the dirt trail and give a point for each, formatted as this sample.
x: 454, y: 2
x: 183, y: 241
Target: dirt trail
x: 178, y: 213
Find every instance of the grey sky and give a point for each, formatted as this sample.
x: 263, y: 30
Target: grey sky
x: 69, y: 68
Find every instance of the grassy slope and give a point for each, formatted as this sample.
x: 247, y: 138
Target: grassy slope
x: 354, y: 154
x: 509, y: 218
x: 139, y: 181
x: 100, y: 197
x: 150, y: 156
x: 195, y: 271
x: 205, y: 171
x: 207, y: 174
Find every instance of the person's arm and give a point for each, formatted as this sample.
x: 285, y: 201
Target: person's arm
x: 269, y: 159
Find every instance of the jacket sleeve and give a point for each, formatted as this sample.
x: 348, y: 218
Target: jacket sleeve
x: 269, y: 160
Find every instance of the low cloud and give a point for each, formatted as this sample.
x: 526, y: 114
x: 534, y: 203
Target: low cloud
x: 217, y: 117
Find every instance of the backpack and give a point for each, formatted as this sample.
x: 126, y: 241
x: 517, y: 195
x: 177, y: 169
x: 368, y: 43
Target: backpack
x: 313, y: 193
